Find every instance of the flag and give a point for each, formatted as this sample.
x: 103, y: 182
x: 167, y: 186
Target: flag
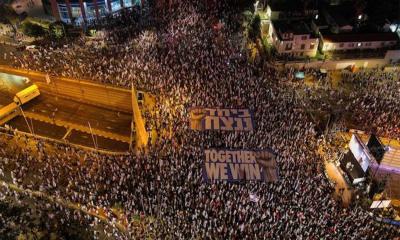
x: 254, y: 198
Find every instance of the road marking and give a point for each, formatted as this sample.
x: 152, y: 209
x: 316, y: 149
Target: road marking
x: 67, y: 133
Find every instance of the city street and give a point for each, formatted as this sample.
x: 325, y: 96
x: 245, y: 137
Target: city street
x: 62, y: 119
x: 200, y: 120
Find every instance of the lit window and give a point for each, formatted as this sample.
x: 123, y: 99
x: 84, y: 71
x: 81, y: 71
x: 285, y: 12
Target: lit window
x: 358, y: 44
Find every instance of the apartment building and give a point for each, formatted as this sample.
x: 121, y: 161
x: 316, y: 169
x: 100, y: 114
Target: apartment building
x: 293, y: 38
x: 361, y: 41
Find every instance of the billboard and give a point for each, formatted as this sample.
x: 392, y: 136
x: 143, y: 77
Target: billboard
x: 224, y: 119
x: 239, y: 165
x: 360, y: 152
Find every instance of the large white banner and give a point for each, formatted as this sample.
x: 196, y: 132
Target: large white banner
x: 225, y: 119
x: 238, y: 165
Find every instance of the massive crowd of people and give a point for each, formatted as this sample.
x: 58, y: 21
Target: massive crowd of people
x: 374, y: 100
x: 185, y: 60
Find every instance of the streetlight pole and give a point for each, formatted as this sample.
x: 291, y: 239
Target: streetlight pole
x: 91, y: 132
x: 26, y: 121
x: 131, y: 137
x: 33, y: 130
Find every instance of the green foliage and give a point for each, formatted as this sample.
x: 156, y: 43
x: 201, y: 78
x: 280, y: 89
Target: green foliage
x: 42, y: 22
x: 57, y: 29
x: 247, y: 15
x: 381, y: 11
x: 268, y: 47
x: 32, y: 29
x: 320, y: 55
x: 255, y: 28
x: 7, y: 14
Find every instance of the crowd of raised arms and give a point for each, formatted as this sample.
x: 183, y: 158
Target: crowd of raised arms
x: 180, y: 57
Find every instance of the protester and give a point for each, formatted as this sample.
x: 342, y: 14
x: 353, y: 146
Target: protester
x: 181, y: 58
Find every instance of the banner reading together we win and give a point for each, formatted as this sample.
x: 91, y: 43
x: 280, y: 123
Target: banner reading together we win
x: 239, y: 165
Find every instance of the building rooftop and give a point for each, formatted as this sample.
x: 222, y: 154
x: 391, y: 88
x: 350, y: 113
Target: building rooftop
x: 389, y: 171
x: 360, y: 37
x: 391, y: 158
x: 343, y: 15
x: 296, y: 27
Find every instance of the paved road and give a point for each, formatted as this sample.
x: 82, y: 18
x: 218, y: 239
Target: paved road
x: 78, y: 119
x: 82, y: 114
x: 38, y: 127
x: 86, y: 139
x: 84, y: 91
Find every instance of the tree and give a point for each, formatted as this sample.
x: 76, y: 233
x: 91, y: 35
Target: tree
x: 255, y: 28
x: 381, y: 11
x: 360, y: 6
x: 32, y: 29
x: 9, y: 16
x: 58, y: 29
